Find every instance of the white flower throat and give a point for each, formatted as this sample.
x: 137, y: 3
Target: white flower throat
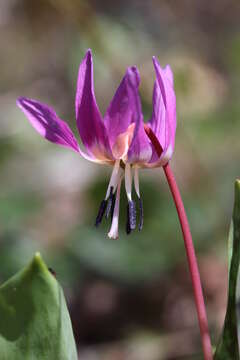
x: 110, y: 205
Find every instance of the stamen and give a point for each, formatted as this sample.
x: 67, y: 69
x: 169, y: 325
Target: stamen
x: 132, y: 215
x: 101, y: 212
x: 131, y: 208
x: 136, y: 184
x: 109, y: 203
x: 136, y: 181
x: 128, y: 181
x: 114, y: 179
x: 140, y: 225
x: 113, y: 233
x: 128, y: 229
x: 113, y: 205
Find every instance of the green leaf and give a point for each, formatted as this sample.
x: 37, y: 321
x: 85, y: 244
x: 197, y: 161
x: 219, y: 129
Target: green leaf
x: 228, y: 347
x: 34, y: 320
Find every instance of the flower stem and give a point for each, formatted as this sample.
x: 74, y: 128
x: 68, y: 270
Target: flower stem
x: 192, y: 263
x: 191, y: 257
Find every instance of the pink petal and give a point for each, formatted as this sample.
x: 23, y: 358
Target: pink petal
x: 89, y: 121
x: 169, y: 74
x: 140, y: 149
x: 163, y: 120
x: 47, y: 123
x: 118, y: 116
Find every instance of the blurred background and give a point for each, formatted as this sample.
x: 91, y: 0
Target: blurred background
x: 129, y: 299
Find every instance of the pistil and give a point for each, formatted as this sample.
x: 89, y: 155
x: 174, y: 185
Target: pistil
x: 110, y: 205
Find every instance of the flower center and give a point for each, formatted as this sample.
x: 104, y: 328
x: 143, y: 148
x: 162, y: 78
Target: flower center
x: 122, y: 143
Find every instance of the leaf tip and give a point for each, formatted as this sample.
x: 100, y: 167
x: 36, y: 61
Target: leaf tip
x: 237, y: 194
x: 37, y: 255
x: 237, y: 184
x: 37, y: 258
x: 38, y: 265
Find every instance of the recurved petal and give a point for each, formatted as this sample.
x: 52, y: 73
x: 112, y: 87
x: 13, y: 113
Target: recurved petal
x: 140, y: 149
x: 163, y: 120
x: 89, y: 121
x: 47, y: 123
x: 169, y: 74
x: 118, y: 116
x: 165, y: 82
x: 158, y: 121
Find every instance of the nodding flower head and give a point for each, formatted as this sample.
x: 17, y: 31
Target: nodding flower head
x: 120, y: 138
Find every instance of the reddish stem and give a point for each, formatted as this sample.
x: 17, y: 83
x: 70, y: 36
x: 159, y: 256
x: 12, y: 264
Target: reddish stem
x: 191, y: 257
x: 192, y: 263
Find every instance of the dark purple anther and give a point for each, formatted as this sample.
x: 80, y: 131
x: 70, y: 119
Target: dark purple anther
x: 101, y: 212
x: 128, y: 229
x: 132, y: 214
x: 109, y: 203
x: 140, y: 225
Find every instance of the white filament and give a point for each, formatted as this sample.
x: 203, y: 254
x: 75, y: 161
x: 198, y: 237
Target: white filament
x: 113, y: 233
x: 128, y: 181
x: 136, y: 181
x: 114, y: 179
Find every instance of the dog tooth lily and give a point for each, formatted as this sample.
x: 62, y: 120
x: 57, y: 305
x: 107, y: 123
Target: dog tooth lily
x: 120, y: 138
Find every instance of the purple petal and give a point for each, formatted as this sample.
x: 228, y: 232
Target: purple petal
x: 165, y: 77
x: 47, y: 123
x: 169, y: 74
x: 158, y: 122
x: 140, y: 149
x: 163, y: 121
x: 89, y: 121
x: 118, y: 116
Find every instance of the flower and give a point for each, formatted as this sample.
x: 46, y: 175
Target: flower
x: 120, y: 138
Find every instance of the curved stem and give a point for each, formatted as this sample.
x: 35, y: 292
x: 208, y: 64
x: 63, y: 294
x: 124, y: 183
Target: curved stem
x: 191, y: 257
x: 192, y: 263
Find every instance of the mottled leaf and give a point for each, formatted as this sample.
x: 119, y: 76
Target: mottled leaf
x: 34, y: 320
